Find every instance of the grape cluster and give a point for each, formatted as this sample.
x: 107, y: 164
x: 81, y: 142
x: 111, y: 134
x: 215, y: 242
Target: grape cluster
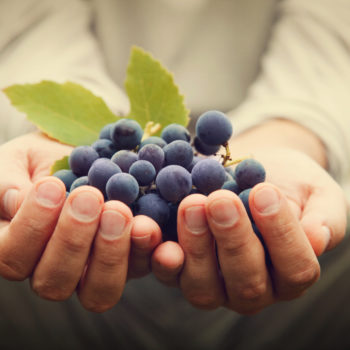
x: 153, y: 174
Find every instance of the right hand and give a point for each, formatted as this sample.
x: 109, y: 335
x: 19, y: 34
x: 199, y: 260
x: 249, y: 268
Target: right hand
x: 62, y: 245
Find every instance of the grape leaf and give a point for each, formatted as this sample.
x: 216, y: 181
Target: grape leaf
x: 60, y: 164
x: 66, y: 112
x: 152, y: 92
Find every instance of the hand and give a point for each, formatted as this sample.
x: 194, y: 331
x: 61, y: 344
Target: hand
x: 300, y: 212
x: 64, y: 245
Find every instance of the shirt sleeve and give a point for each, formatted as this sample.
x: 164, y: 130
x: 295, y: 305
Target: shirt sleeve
x: 305, y: 77
x: 50, y: 40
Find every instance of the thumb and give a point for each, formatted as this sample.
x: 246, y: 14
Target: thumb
x: 324, y: 218
x: 15, y: 181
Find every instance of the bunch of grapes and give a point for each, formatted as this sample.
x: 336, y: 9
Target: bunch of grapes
x: 153, y: 174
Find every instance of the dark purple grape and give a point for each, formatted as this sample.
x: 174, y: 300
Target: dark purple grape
x: 105, y: 148
x: 81, y: 159
x: 205, y: 149
x: 122, y: 187
x: 231, y: 171
x: 105, y: 132
x: 126, y: 134
x: 154, y: 154
x: 67, y: 177
x: 195, y: 160
x: 124, y: 159
x: 244, y: 196
x: 173, y: 132
x: 178, y: 153
x: 143, y: 171
x: 213, y: 128
x: 169, y: 232
x: 174, y: 183
x: 154, y: 206
x: 155, y: 140
x: 208, y: 175
x: 231, y: 186
x: 100, y: 172
x: 80, y: 181
x: 248, y: 173
x: 228, y: 177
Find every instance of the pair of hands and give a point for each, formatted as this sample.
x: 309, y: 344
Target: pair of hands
x: 83, y: 244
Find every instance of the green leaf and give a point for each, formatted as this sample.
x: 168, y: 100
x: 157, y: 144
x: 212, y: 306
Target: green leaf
x: 66, y: 112
x: 152, y: 92
x: 60, y: 164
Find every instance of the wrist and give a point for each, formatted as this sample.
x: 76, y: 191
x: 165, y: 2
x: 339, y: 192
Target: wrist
x: 279, y: 133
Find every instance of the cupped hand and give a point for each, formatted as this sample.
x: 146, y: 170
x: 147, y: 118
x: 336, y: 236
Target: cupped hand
x: 64, y: 244
x: 300, y: 212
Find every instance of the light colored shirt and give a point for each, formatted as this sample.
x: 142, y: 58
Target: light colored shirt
x: 254, y: 59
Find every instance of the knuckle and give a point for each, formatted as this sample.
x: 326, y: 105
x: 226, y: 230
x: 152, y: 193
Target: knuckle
x: 13, y: 271
x: 204, y: 301
x: 304, y: 278
x: 107, y: 262
x: 252, y: 292
x: 74, y: 244
x: 234, y: 248
x: 46, y: 291
x: 97, y: 307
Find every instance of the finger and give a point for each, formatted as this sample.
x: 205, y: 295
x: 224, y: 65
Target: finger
x: 167, y: 261
x: 295, y: 266
x: 241, y: 255
x: 199, y: 281
x: 105, y: 277
x: 62, y: 263
x: 324, y: 218
x: 145, y: 236
x: 23, y: 240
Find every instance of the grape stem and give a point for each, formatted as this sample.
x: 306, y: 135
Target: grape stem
x: 227, y: 156
x: 151, y: 128
x: 236, y: 161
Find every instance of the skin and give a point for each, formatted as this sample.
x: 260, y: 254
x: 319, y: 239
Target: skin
x: 306, y: 216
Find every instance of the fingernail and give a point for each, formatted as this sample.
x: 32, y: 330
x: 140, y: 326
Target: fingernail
x: 327, y: 233
x: 195, y: 219
x: 141, y: 242
x: 49, y: 194
x: 224, y: 212
x: 266, y: 200
x: 10, y: 202
x: 85, y: 206
x: 112, y: 224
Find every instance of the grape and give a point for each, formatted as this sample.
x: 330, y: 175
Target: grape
x: 67, y: 177
x: 80, y: 181
x: 126, y: 134
x: 231, y: 186
x: 208, y: 175
x: 105, y: 148
x: 173, y: 132
x: 178, y: 153
x: 228, y: 177
x: 205, y: 149
x: 213, y: 128
x: 244, y: 196
x: 105, y: 132
x: 170, y: 228
x: 156, y: 140
x: 100, y: 172
x: 153, y: 154
x: 195, y: 160
x: 174, y: 183
x: 154, y: 206
x: 248, y: 173
x: 143, y: 171
x: 231, y: 171
x: 81, y: 159
x: 124, y: 159
x: 122, y: 187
